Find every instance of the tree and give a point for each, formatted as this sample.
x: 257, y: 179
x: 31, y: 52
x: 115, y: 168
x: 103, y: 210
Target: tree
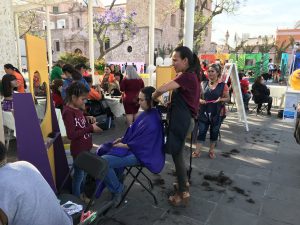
x: 249, y: 48
x: 29, y: 23
x: 282, y: 48
x: 201, y: 21
x: 265, y: 47
x: 117, y: 21
x: 73, y: 58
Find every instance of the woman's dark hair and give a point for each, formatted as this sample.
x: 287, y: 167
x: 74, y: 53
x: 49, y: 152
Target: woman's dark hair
x: 241, y: 75
x: 193, y: 60
x: 80, y: 65
x: 2, y: 151
x: 148, y: 91
x: 74, y: 73
x: 217, y: 67
x: 6, y: 85
x: 258, y: 79
x: 56, y: 83
x: 77, y: 89
x: 10, y: 66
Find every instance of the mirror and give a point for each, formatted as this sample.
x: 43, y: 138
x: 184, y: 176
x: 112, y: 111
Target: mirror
x: 40, y: 95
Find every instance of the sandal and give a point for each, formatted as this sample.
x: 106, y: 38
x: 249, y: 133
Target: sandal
x: 196, y: 154
x: 180, y: 199
x: 212, y: 154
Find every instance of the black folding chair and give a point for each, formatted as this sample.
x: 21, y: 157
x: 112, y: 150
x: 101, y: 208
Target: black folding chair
x: 136, y: 178
x: 97, y: 168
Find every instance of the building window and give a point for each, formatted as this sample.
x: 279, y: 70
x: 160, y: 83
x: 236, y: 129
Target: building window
x: 173, y: 20
x: 61, y: 24
x: 78, y: 51
x: 57, y: 46
x: 78, y: 23
x: 106, y: 43
x: 129, y: 49
x: 55, y: 9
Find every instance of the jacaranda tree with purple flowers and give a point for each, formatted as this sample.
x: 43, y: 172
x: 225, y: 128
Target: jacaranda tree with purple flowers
x: 114, y: 20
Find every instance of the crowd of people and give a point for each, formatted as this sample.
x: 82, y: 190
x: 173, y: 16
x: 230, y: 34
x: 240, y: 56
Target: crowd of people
x: 198, y: 100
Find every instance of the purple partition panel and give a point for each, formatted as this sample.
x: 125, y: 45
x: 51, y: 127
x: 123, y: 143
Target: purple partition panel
x: 60, y: 159
x: 30, y: 142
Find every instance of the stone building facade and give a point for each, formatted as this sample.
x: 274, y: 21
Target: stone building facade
x: 8, y: 46
x: 69, y: 30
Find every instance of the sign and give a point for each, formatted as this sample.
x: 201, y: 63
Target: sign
x: 230, y: 70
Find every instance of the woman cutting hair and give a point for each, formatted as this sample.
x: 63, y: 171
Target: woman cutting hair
x: 183, y: 110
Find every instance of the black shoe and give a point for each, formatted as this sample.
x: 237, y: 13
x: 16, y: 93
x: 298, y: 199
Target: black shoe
x: 269, y: 113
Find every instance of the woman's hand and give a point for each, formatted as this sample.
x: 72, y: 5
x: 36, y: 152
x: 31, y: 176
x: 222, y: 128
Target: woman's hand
x: 91, y: 119
x: 202, y: 102
x: 118, y: 140
x: 120, y: 145
x: 218, y: 100
x: 96, y: 129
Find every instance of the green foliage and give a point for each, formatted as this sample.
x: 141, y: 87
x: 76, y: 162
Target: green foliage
x: 99, y: 65
x: 73, y: 58
x: 282, y: 48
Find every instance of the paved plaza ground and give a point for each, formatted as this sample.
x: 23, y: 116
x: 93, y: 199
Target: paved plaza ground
x: 263, y: 165
x: 263, y: 185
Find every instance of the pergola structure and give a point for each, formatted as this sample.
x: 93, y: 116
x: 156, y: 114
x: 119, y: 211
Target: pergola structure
x: 25, y: 5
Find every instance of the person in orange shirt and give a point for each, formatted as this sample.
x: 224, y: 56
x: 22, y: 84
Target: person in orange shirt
x: 95, y: 93
x: 107, y: 78
x: 10, y: 69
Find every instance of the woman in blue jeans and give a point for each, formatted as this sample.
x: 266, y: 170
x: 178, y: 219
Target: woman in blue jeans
x: 142, y: 144
x: 215, y: 93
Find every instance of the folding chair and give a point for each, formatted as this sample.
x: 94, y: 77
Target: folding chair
x: 264, y: 105
x: 97, y: 168
x: 135, y: 178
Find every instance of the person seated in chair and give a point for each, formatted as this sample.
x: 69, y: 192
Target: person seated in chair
x: 245, y: 90
x: 26, y: 197
x: 142, y: 144
x: 95, y: 91
x: 261, y: 94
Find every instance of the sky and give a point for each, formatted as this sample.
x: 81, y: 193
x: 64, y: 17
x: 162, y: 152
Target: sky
x: 256, y: 17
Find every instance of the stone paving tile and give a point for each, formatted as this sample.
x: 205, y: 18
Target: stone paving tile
x: 251, y: 203
x: 283, y: 211
x: 268, y: 221
x: 131, y: 215
x: 288, y: 180
x: 224, y: 215
x: 252, y: 186
x: 198, y: 209
x: 172, y: 219
x: 254, y: 172
x: 283, y: 193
